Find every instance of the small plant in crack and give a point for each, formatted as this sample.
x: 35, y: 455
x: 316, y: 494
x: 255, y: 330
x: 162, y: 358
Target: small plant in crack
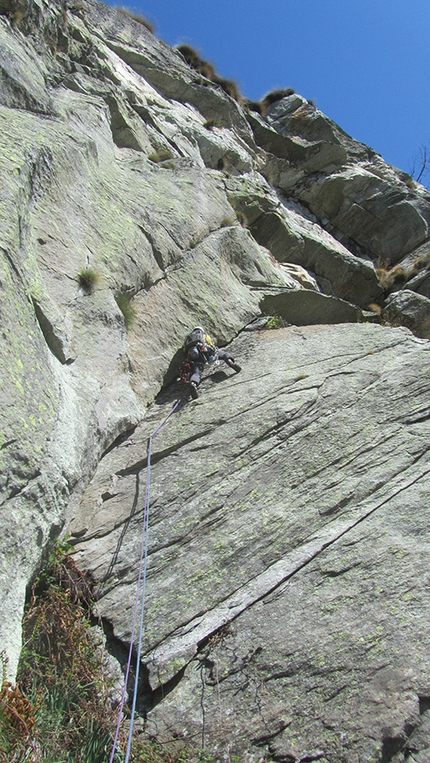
x: 88, y: 279
x: 275, y: 322
x: 123, y: 301
x: 161, y: 155
x: 211, y: 123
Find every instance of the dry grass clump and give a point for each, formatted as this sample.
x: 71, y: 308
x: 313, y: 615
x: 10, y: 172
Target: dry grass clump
x: 136, y: 17
x: 274, y: 96
x: 226, y: 222
x: 400, y: 274
x: 423, y: 261
x: 206, y: 69
x: 228, y: 85
x: 253, y: 106
x: 197, y: 63
x: 16, y: 17
x: 211, y: 123
x: 17, y: 716
x: 375, y: 308
x: 241, y: 217
x: 61, y: 709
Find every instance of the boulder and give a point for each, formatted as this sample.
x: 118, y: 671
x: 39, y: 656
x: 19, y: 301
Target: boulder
x: 294, y: 236
x: 421, y: 284
x: 368, y: 204
x: 406, y: 308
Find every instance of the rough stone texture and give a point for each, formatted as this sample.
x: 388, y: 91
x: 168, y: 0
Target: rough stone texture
x: 116, y: 157
x: 406, y: 308
x: 420, y: 284
x: 75, y: 197
x: 288, y: 546
x: 304, y: 309
x: 365, y: 202
x: 293, y: 235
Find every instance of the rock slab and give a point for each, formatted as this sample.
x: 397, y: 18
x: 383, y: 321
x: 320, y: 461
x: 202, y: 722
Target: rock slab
x: 286, y: 606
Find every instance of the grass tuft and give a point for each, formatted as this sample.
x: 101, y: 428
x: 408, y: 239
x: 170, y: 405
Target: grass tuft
x: 136, y: 17
x: 129, y: 313
x: 88, y: 278
x: 228, y: 85
x: 276, y: 95
x: 375, y: 308
x: 161, y: 155
x: 275, y: 322
x: 206, y: 69
x: 211, y: 123
x: 253, y: 106
x: 17, y: 17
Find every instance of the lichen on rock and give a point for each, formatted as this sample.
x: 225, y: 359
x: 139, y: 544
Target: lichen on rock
x: 286, y: 609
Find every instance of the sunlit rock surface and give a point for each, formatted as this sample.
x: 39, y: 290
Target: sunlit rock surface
x: 286, y: 612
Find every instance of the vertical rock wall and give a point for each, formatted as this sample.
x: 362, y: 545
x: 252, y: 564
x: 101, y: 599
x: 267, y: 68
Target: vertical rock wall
x: 127, y: 175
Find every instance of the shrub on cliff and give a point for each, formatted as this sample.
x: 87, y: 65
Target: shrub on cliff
x: 61, y: 708
x: 61, y: 705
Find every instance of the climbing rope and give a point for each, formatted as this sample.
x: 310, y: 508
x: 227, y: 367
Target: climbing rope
x: 139, y: 598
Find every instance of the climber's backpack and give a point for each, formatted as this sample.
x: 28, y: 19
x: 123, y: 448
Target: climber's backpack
x: 195, y: 337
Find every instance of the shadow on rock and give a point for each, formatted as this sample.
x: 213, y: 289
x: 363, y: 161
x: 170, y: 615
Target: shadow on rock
x: 173, y: 369
x: 218, y: 377
x: 172, y: 393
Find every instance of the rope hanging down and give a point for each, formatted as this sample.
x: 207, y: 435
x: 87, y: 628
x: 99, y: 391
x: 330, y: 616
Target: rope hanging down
x: 140, y: 598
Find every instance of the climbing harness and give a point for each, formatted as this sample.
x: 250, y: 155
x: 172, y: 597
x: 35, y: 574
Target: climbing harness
x: 185, y: 371
x: 140, y: 598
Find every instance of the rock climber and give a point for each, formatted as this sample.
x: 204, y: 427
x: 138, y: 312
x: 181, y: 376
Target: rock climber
x: 200, y: 349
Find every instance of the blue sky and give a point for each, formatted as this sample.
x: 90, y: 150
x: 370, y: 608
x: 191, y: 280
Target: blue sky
x: 365, y: 63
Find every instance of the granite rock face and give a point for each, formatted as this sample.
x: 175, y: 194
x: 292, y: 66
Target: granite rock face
x: 407, y: 308
x: 287, y: 551
x: 131, y: 181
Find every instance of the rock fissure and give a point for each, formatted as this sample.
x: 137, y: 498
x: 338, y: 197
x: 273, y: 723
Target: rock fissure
x: 157, y: 456
x: 290, y: 501
x: 306, y: 557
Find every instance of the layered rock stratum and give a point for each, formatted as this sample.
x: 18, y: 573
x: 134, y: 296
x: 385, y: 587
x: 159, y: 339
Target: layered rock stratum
x: 287, y: 597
